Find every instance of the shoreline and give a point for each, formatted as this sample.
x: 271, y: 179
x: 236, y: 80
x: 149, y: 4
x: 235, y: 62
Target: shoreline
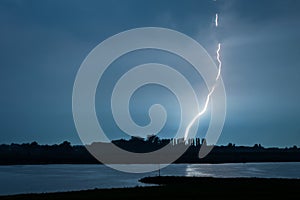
x: 181, y: 187
x: 65, y: 153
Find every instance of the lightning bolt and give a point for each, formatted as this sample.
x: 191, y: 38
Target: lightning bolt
x: 187, y: 130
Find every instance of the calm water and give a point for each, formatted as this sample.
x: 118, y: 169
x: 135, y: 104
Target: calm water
x: 48, y: 178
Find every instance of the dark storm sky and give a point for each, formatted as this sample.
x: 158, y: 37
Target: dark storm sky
x: 43, y: 43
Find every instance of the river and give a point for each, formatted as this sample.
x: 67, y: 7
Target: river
x: 17, y: 179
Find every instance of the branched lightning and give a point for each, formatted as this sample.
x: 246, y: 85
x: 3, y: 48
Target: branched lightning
x: 187, y: 130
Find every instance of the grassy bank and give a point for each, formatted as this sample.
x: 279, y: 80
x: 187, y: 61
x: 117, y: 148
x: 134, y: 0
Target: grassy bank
x: 186, y: 188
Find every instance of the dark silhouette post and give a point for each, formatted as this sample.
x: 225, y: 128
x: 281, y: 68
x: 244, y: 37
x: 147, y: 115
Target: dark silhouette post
x: 158, y: 169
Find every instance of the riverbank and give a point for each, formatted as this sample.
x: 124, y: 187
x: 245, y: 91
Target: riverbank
x: 184, y: 188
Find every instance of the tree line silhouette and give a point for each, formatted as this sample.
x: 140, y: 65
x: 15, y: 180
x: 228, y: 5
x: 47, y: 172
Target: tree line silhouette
x: 65, y: 153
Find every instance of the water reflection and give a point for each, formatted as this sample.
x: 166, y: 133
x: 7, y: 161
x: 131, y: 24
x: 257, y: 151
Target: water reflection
x: 260, y: 170
x: 196, y: 170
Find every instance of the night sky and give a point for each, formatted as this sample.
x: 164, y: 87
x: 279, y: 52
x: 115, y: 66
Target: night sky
x: 43, y: 43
